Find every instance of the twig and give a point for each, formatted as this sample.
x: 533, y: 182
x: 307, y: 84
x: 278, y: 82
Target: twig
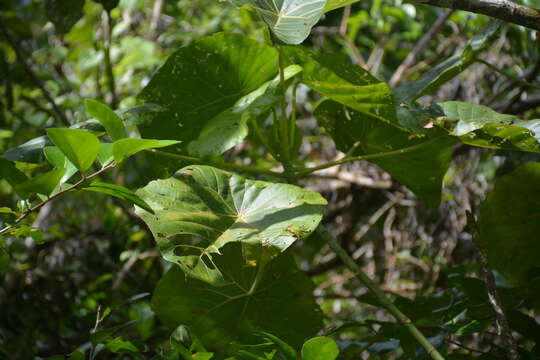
x: 503, y: 329
x: 381, y: 297
x: 419, y: 47
x: 25, y: 214
x: 154, y: 21
x: 510, y: 76
x: 22, y: 61
x: 348, y: 159
x: 501, y: 9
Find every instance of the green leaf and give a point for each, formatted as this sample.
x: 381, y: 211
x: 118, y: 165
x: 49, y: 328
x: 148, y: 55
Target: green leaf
x: 422, y: 170
x: 121, y: 346
x: 29, y: 152
x: 42, y: 184
x: 478, y: 125
x: 336, y: 4
x: 13, y: 176
x: 64, y: 13
x: 105, y: 154
x: 80, y: 146
x: 335, y: 77
x: 57, y: 159
x: 108, y: 118
x: 230, y: 127
x: 202, y: 80
x: 510, y: 223
x: 201, y: 209
x: 124, y: 148
x: 288, y: 351
x: 290, y: 20
x: 119, y: 192
x: 108, y: 4
x: 320, y: 348
x: 450, y: 67
x: 277, y: 301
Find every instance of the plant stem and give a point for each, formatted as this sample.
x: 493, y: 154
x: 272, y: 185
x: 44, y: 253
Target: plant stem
x: 25, y: 214
x: 219, y: 164
x: 378, y: 293
x: 503, y: 328
x: 108, y: 64
x: 348, y: 159
x: 283, y: 119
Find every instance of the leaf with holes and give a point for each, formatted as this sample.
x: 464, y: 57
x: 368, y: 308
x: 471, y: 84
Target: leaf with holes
x: 201, y: 209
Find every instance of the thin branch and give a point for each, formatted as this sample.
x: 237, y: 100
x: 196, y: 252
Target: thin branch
x: 108, y: 64
x: 419, y: 47
x: 381, y: 297
x: 348, y: 159
x: 510, y: 76
x: 501, y: 9
x: 503, y: 328
x: 25, y: 214
x: 26, y: 66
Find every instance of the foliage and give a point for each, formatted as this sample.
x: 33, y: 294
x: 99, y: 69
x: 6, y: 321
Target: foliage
x: 224, y: 230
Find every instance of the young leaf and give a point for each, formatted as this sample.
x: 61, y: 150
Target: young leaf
x: 124, y: 148
x: 290, y: 20
x: 80, y: 146
x: 108, y: 118
x: 320, y: 348
x: 57, y: 159
x: 44, y: 183
x: 510, y: 223
x: 202, y: 80
x: 277, y: 300
x: 119, y: 192
x: 219, y: 207
x: 13, y: 176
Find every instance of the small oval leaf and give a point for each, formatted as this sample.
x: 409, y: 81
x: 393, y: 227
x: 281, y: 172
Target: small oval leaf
x: 80, y: 146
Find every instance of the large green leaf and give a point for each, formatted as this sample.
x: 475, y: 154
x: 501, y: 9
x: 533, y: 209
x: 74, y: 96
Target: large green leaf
x: 230, y: 127
x: 510, y: 223
x: 422, y: 170
x: 80, y: 146
x: 335, y: 77
x: 290, y: 20
x: 449, y: 68
x: 278, y: 300
x: 202, y: 209
x: 202, y: 80
x: 108, y: 118
x: 478, y: 125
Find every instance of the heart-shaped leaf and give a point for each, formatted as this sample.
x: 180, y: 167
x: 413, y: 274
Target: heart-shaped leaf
x: 277, y: 300
x: 203, y: 208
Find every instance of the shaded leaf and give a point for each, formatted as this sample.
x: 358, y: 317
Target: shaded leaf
x: 29, y: 152
x: 124, y: 148
x: 108, y: 118
x: 80, y: 146
x: 286, y: 349
x: 201, y: 209
x: 320, y: 348
x: 42, y: 184
x: 278, y: 301
x: 230, y: 127
x: 105, y: 154
x: 13, y: 176
x: 422, y: 170
x: 64, y: 13
x: 449, y: 68
x: 202, y: 80
x: 119, y: 192
x: 57, y: 159
x: 108, y: 4
x: 510, y: 223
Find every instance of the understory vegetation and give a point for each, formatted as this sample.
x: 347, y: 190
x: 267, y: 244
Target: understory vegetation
x: 256, y: 179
